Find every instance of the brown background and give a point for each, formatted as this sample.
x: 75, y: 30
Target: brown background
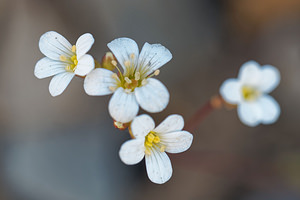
x: 66, y: 147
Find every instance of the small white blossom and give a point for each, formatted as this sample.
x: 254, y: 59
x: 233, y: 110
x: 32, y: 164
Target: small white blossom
x: 135, y: 86
x: 250, y: 92
x: 63, y: 61
x: 153, y: 143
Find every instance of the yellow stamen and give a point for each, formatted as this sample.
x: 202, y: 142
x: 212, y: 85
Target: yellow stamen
x: 150, y: 137
x: 62, y: 58
x: 127, y: 63
x: 112, y: 88
x: 156, y: 139
x: 73, y: 48
x: 114, y: 63
x: 132, y: 56
x: 128, y: 80
x: 149, y: 144
x: 156, y: 73
x: 147, y: 152
x: 144, y: 82
x: 162, y: 148
x: 137, y: 76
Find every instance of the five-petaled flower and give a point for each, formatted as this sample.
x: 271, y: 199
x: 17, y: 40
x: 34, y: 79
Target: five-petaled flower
x: 152, y: 143
x: 135, y: 86
x: 63, y: 60
x: 250, y: 92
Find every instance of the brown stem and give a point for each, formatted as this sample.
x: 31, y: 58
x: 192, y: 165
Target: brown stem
x: 215, y: 102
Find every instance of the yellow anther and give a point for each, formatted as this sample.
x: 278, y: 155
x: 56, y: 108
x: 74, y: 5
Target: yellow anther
x: 73, y: 58
x: 127, y: 63
x: 156, y: 73
x: 127, y: 91
x: 147, y: 152
x: 114, y: 76
x: 144, y: 82
x: 149, y: 144
x: 137, y: 76
x: 112, y: 88
x: 156, y: 139
x: 132, y: 56
x: 62, y: 58
x: 114, y: 63
x: 162, y: 148
x: 73, y: 48
x: 150, y: 137
x: 127, y: 80
x: 75, y: 62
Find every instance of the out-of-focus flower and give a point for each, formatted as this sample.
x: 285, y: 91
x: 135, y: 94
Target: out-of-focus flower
x: 153, y: 143
x: 63, y: 60
x: 135, y: 86
x: 250, y: 92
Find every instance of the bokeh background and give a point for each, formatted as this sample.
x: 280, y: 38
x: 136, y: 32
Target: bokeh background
x: 66, y: 148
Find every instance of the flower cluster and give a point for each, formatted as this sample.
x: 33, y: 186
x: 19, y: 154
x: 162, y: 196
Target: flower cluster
x: 132, y: 86
x: 128, y: 75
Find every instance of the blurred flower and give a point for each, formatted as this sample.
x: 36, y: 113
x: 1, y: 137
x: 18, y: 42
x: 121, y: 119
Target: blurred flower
x: 151, y: 143
x: 250, y: 92
x: 63, y: 60
x: 134, y: 86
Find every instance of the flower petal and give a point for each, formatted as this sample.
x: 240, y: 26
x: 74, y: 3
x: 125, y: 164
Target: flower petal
x: 60, y: 82
x: 46, y: 67
x: 84, y: 44
x: 270, y: 78
x: 171, y: 123
x: 85, y: 65
x: 152, y: 97
x: 231, y: 91
x: 153, y: 56
x: 142, y: 125
x: 250, y: 74
x: 123, y: 107
x: 159, y: 167
x: 53, y: 45
x: 250, y: 113
x: 98, y: 81
x: 123, y: 48
x: 270, y: 109
x: 176, y: 142
x: 132, y: 151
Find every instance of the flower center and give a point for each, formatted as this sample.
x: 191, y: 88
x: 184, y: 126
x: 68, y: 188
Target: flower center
x: 133, y: 77
x: 71, y: 61
x: 152, y: 140
x: 250, y: 93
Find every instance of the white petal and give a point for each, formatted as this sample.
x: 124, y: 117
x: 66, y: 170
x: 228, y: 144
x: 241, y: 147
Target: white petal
x: 153, y: 56
x: 171, y: 123
x: 176, y: 142
x: 84, y: 44
x: 60, y: 82
x: 142, y: 125
x: 250, y: 113
x: 98, y: 81
x: 159, y: 167
x: 85, y: 65
x: 123, y: 107
x: 152, y: 97
x: 270, y: 109
x: 250, y: 73
x: 270, y: 78
x: 46, y: 67
x: 123, y: 48
x: 231, y: 91
x: 132, y: 151
x: 53, y: 45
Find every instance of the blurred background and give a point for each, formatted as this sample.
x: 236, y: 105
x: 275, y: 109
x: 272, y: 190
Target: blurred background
x: 66, y: 148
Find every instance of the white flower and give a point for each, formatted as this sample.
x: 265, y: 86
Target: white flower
x: 63, y: 60
x: 250, y: 92
x: 151, y: 143
x: 135, y: 86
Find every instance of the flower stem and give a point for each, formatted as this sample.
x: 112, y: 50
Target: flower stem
x: 215, y: 102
